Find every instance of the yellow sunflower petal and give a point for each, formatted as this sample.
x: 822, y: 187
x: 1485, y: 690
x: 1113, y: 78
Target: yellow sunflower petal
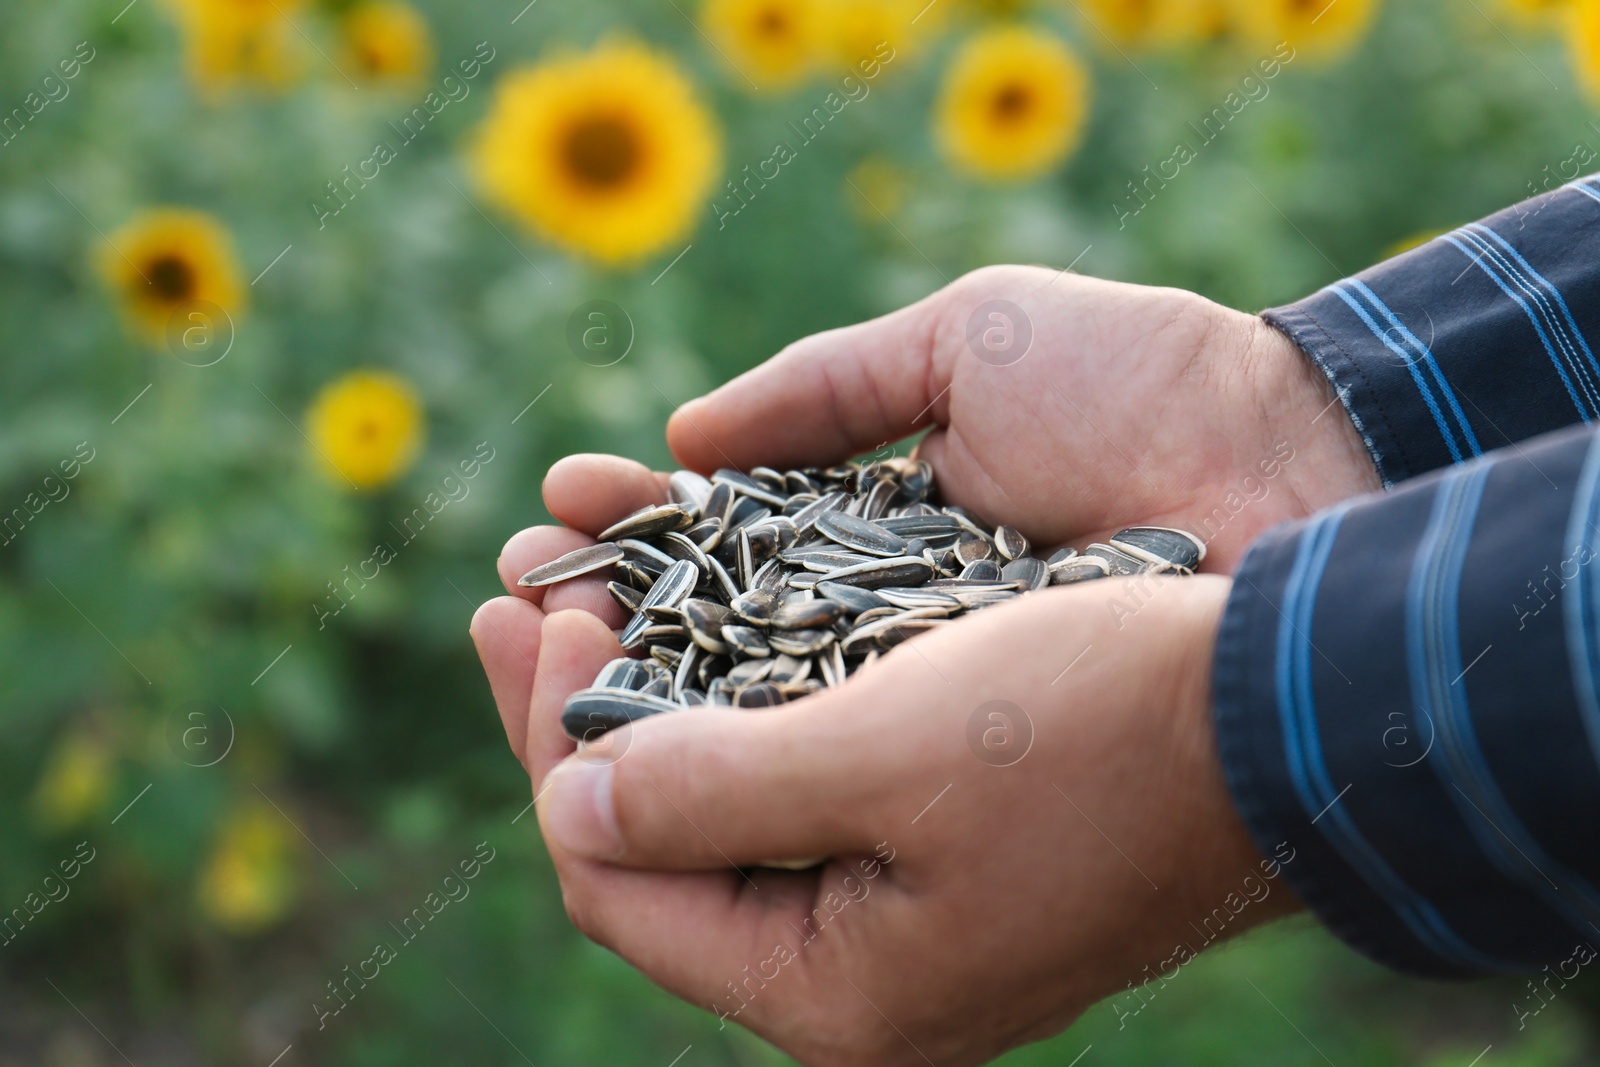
x: 368, y: 425
x: 1316, y: 29
x: 229, y: 43
x: 610, y: 154
x: 1583, y: 43
x: 1013, y: 104
x: 167, y: 262
x: 770, y: 43
x: 385, y: 41
x: 1127, y: 23
x: 880, y: 31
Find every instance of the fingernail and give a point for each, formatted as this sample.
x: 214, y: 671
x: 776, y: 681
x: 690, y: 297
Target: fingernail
x: 576, y: 810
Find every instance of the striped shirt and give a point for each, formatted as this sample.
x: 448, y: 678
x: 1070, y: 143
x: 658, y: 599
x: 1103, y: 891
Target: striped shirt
x: 1407, y: 685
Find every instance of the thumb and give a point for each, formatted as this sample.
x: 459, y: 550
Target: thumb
x: 822, y: 399
x: 712, y: 788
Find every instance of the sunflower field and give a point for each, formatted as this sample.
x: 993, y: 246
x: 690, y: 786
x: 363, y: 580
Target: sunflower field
x: 299, y: 298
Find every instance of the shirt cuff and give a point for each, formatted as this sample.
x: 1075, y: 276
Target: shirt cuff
x: 1471, y: 342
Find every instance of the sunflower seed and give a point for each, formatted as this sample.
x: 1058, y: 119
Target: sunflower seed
x: 800, y: 642
x: 689, y: 489
x: 647, y: 522
x: 707, y: 533
x: 751, y: 590
x: 754, y: 607
x: 760, y: 695
x: 745, y: 485
x: 982, y: 570
x: 807, y: 615
x: 787, y: 669
x: 625, y: 595
x: 853, y: 598
x: 623, y: 673
x: 704, y: 620
x: 591, y: 712
x: 746, y: 641
x: 719, y: 503
x: 1010, y: 543
x: 860, y: 534
x: 676, y: 583
x: 749, y: 672
x: 1161, y: 546
x: 578, y: 561
x: 896, y: 570
x: 920, y: 598
x: 1028, y: 570
x: 1119, y: 561
x: 974, y: 549
x: 676, y: 546
x: 1079, y: 569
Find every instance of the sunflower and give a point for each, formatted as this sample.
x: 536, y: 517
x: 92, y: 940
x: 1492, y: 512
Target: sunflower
x: 248, y: 881
x: 1317, y: 29
x: 386, y: 41
x: 75, y: 782
x: 1127, y: 23
x: 1153, y: 24
x: 169, y: 261
x: 239, y: 42
x: 880, y: 31
x: 772, y: 43
x: 610, y: 153
x: 1012, y: 105
x: 368, y: 426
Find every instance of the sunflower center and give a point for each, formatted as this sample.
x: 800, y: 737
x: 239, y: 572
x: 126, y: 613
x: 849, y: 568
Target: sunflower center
x: 368, y: 429
x: 171, y: 278
x: 602, y: 151
x: 1011, y: 102
x: 772, y: 23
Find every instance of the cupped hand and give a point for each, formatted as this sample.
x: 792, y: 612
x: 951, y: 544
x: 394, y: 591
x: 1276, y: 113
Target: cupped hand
x: 1068, y: 407
x: 1006, y: 847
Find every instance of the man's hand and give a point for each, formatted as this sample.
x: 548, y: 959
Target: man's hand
x: 1131, y: 405
x: 1023, y: 812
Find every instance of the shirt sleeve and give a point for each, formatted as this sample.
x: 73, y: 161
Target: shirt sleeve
x: 1473, y: 341
x: 1405, y: 691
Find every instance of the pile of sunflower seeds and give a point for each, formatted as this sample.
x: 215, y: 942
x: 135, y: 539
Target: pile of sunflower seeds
x: 754, y: 589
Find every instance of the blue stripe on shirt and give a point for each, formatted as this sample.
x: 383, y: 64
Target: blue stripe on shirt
x: 1435, y: 661
x: 1410, y: 364
x: 1581, y: 608
x: 1483, y: 256
x: 1303, y: 750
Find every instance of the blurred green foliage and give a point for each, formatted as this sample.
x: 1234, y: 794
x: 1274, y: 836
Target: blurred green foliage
x: 180, y: 571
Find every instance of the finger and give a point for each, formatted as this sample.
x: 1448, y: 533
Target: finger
x: 693, y: 933
x: 506, y: 632
x: 574, y: 645
x: 590, y: 491
x: 821, y: 400
x: 718, y: 787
